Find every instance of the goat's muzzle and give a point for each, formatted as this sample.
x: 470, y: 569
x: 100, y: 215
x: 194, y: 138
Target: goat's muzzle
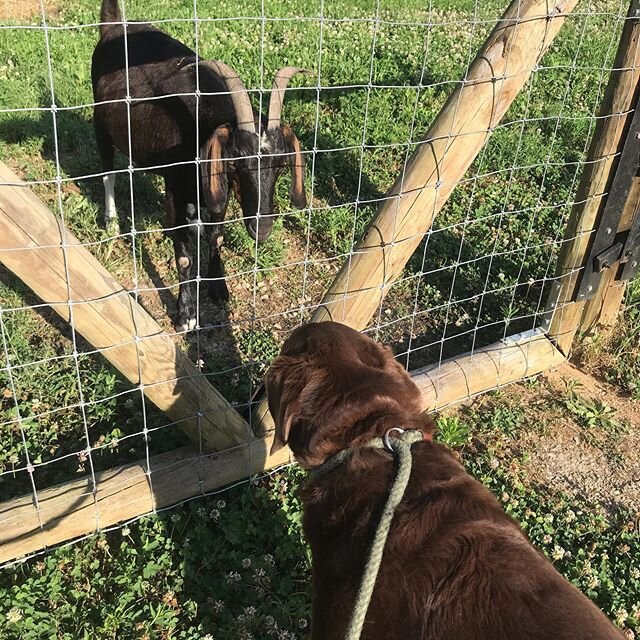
x: 259, y: 228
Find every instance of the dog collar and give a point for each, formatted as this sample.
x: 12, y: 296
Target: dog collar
x: 410, y: 436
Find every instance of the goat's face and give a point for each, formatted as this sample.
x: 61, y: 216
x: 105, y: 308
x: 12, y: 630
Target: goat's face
x: 255, y: 178
x: 252, y: 163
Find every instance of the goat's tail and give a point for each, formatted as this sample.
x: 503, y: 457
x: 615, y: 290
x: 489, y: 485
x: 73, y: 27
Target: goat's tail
x: 110, y: 12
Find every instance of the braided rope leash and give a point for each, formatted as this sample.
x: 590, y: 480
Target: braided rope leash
x: 402, y: 448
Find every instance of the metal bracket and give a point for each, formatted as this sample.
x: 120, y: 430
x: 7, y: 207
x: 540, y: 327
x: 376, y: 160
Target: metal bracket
x: 608, y: 247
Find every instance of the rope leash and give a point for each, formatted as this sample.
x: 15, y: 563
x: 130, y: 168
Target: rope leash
x: 402, y: 448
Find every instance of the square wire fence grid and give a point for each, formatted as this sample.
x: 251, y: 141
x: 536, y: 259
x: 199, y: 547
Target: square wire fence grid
x: 379, y: 75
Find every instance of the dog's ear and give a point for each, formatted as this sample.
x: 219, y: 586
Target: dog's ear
x: 213, y: 172
x: 283, y: 406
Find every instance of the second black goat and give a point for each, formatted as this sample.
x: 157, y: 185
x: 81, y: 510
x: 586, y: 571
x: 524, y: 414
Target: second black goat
x: 161, y: 126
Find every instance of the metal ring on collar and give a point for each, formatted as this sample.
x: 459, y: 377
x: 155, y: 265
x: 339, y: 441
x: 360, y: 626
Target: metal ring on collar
x: 385, y: 437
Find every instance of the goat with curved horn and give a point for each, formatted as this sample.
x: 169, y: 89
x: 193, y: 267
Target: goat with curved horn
x: 175, y: 128
x: 280, y: 83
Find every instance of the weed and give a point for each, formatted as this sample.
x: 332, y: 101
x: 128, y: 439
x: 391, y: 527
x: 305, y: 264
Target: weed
x: 596, y: 420
x: 506, y: 419
x: 452, y: 431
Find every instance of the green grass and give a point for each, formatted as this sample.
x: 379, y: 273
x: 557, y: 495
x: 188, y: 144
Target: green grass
x: 163, y: 576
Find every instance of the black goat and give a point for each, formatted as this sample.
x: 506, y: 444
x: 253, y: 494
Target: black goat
x: 237, y: 146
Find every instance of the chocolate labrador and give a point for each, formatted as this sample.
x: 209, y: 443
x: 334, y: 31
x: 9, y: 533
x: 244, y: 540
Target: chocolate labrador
x: 455, y: 565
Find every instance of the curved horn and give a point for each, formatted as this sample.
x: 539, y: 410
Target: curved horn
x: 238, y: 93
x: 280, y: 83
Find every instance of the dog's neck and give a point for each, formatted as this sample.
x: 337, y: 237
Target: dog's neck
x: 336, y: 460
x: 312, y: 445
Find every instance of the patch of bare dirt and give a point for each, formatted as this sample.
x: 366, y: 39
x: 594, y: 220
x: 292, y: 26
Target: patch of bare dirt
x: 276, y: 306
x: 562, y: 458
x: 27, y: 11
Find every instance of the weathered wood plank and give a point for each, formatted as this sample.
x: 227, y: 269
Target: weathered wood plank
x: 55, y: 265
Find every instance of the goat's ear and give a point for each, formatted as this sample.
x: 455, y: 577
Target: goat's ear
x: 215, y: 185
x: 296, y: 162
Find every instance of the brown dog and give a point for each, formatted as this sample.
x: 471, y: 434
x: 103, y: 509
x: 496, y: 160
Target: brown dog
x: 455, y: 566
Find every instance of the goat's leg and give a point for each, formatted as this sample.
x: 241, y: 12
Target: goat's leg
x: 185, y: 243
x: 106, y: 151
x: 218, y: 290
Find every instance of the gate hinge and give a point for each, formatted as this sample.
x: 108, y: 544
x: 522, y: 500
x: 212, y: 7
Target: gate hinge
x: 626, y: 250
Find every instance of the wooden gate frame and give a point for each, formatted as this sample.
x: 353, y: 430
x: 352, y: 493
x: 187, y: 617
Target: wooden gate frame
x: 136, y: 345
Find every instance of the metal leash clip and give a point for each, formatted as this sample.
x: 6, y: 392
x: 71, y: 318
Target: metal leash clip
x: 385, y: 437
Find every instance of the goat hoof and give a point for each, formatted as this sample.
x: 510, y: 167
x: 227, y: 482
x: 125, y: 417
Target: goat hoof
x: 112, y: 226
x: 218, y: 291
x: 188, y: 325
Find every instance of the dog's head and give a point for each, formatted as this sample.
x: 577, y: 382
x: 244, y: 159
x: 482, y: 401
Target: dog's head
x: 332, y: 387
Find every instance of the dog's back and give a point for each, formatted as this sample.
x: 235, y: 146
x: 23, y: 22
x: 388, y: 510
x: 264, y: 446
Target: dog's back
x: 455, y: 567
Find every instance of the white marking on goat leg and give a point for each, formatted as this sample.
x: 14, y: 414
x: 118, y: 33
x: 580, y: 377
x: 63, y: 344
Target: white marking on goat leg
x: 110, y: 212
x: 109, y: 182
x: 191, y: 210
x: 189, y: 325
x: 219, y: 241
x: 183, y: 262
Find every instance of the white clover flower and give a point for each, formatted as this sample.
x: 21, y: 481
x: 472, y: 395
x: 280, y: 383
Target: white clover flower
x: 558, y: 553
x: 246, y: 562
x: 621, y: 616
x: 232, y: 577
x: 221, y: 504
x: 218, y: 606
x: 14, y: 615
x: 126, y: 532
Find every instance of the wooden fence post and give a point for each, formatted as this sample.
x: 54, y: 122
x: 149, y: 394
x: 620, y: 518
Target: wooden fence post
x: 494, y: 79
x: 35, y: 247
x: 615, y: 116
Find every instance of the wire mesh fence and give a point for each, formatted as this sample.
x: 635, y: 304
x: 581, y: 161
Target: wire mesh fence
x: 380, y: 74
